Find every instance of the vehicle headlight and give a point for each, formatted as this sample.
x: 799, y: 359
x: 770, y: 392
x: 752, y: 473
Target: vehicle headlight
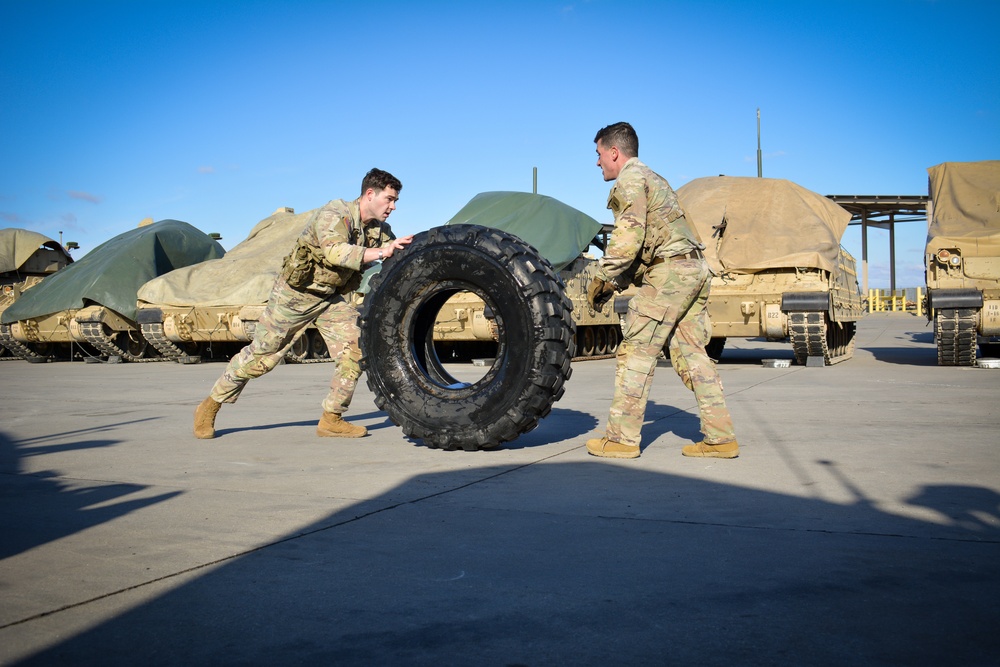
x: 955, y: 260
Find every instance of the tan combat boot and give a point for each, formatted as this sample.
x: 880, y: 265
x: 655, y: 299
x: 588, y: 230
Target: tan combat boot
x: 611, y: 449
x: 725, y: 450
x: 204, y: 418
x: 332, y: 425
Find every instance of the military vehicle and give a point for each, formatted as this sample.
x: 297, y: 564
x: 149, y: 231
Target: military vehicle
x: 93, y: 300
x: 26, y: 258
x: 212, y: 308
x: 465, y: 327
x: 962, y: 260
x: 780, y: 271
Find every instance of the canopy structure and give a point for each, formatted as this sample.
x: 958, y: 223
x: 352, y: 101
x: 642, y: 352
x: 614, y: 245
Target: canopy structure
x: 882, y: 212
x: 111, y: 274
x: 559, y: 232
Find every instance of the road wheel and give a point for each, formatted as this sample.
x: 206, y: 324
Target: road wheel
x: 587, y: 345
x: 317, y: 346
x: 535, y: 340
x: 614, y: 338
x: 714, y: 348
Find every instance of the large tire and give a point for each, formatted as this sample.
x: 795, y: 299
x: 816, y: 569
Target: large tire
x: 534, y: 348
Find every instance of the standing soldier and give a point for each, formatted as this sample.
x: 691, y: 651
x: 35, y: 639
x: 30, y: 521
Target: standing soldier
x: 315, y: 285
x: 654, y: 246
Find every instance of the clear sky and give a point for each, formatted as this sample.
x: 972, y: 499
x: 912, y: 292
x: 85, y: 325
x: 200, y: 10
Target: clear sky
x: 218, y: 112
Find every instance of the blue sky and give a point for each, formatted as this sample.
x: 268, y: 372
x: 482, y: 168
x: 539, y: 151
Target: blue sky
x: 217, y: 113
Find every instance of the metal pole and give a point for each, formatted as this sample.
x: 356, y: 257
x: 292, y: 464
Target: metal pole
x: 892, y: 251
x: 760, y: 165
x: 864, y: 251
x: 534, y: 180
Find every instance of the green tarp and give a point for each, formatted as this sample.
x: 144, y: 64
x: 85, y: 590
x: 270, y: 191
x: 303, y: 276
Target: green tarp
x: 111, y: 274
x: 559, y: 232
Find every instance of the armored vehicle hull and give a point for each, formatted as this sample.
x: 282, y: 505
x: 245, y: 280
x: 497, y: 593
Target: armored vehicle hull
x: 92, y: 301
x: 212, y: 308
x: 962, y: 259
x: 780, y: 272
x: 26, y: 258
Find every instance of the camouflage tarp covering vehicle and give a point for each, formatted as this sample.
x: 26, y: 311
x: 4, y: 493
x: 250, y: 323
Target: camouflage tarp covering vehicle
x: 962, y: 259
x: 561, y: 234
x: 781, y: 272
x: 26, y: 258
x: 214, y: 306
x: 93, y: 300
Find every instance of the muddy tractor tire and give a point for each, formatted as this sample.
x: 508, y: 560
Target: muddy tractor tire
x: 535, y: 338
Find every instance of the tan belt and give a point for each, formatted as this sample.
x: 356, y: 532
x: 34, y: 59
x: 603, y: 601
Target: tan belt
x: 694, y: 253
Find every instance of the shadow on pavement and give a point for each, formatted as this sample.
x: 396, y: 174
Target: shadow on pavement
x: 584, y: 563
x: 58, y: 508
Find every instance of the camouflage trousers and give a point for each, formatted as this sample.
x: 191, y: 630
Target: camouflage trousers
x: 288, y: 312
x: 668, y: 314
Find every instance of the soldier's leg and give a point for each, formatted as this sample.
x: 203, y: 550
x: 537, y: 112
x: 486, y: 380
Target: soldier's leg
x: 340, y: 330
x: 697, y: 370
x: 648, y: 322
x: 288, y: 311
x: 700, y: 327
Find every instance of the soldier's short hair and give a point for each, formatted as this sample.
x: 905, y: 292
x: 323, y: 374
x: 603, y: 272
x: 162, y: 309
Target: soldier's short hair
x: 621, y: 135
x: 379, y: 180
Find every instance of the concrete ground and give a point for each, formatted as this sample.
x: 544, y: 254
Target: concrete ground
x: 860, y: 525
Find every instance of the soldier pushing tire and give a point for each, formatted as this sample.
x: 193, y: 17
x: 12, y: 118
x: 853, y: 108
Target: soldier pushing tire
x: 535, y: 338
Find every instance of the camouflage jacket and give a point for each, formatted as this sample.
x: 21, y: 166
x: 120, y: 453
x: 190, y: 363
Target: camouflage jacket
x: 329, y: 252
x: 649, y: 223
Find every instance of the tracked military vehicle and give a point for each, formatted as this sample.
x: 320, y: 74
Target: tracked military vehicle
x: 213, y: 307
x: 465, y: 326
x: 93, y: 300
x: 962, y: 260
x: 26, y: 258
x: 780, y: 271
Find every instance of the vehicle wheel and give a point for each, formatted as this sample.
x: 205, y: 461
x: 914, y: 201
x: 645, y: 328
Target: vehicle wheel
x: 131, y: 342
x: 601, y: 346
x: 298, y: 351
x: 614, y: 338
x: 587, y: 344
x: 317, y: 346
x: 534, y: 347
x: 714, y: 348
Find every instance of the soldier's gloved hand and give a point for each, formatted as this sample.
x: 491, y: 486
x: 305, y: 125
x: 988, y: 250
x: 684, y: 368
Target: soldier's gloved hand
x: 599, y: 292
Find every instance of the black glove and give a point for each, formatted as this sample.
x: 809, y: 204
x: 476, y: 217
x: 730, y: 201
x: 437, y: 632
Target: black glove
x: 599, y: 292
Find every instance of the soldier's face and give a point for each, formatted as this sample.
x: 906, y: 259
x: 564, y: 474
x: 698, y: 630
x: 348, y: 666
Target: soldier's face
x: 607, y: 160
x: 378, y: 205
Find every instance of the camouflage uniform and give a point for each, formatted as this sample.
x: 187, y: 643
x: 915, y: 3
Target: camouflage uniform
x: 316, y: 285
x: 654, y: 246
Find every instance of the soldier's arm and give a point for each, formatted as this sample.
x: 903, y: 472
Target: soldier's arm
x: 626, y: 240
x: 332, y: 230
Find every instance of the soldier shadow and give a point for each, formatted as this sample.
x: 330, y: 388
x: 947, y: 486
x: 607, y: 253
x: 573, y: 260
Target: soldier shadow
x: 349, y: 416
x: 663, y: 419
x: 42, y: 507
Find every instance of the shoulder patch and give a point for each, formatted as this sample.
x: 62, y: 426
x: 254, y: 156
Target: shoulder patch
x: 615, y: 201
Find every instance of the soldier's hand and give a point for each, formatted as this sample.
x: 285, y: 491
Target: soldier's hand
x: 599, y: 292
